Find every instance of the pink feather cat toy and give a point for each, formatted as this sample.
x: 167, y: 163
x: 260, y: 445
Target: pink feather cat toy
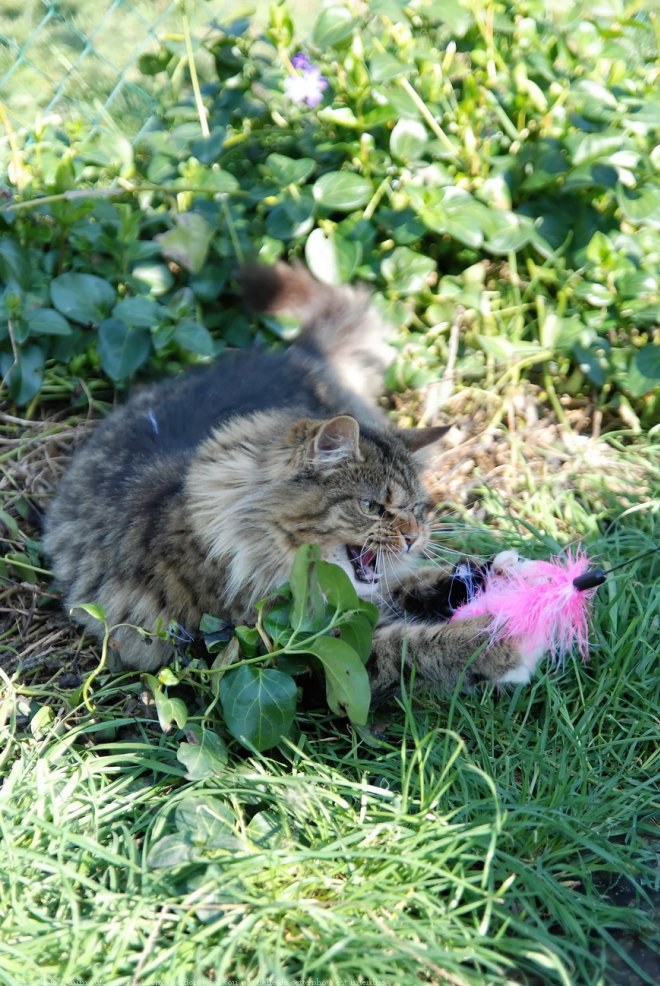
x: 545, y: 604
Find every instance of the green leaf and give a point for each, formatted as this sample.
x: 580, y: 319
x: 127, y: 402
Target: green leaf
x: 207, y: 823
x: 408, y: 140
x: 291, y: 218
x: 84, y: 298
x: 341, y: 190
x: 41, y: 720
x: 385, y: 67
x: 336, y: 586
x: 644, y: 370
x: 507, y: 232
x: 406, y: 271
x: 358, y: 632
x: 138, y: 313
x: 216, y: 632
x: 640, y: 205
x: 94, y: 610
x: 15, y: 266
x: 335, y: 24
x: 308, y: 608
x: 25, y: 378
x: 289, y: 171
x: 332, y: 258
x: 188, y: 243
x: 505, y: 350
x: 171, y: 850
x: 194, y: 337
x: 594, y: 147
x: 346, y: 680
x: 122, y: 350
x: 563, y: 333
x: 259, y: 705
x: 454, y: 211
x: 249, y: 639
x: 276, y: 617
x: 267, y: 831
x: 46, y: 321
x: 592, y: 362
x: 203, y: 754
x: 597, y: 295
x: 169, y: 709
x: 157, y: 277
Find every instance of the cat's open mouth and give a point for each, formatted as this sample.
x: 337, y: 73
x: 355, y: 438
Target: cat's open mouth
x: 364, y: 563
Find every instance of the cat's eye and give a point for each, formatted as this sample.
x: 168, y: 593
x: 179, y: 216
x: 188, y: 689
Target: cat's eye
x: 371, y: 507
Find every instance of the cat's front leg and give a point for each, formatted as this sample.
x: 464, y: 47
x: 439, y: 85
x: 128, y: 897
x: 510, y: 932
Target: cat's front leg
x: 443, y: 652
x: 432, y: 594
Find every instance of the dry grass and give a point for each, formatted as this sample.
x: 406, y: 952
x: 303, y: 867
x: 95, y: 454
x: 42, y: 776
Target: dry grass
x: 34, y: 632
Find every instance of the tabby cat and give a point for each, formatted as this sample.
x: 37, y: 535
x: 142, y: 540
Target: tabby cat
x: 194, y: 496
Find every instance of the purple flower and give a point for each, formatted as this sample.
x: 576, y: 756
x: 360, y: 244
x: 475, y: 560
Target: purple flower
x: 307, y: 85
x: 301, y: 61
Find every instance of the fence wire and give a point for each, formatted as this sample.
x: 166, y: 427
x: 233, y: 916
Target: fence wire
x: 80, y: 57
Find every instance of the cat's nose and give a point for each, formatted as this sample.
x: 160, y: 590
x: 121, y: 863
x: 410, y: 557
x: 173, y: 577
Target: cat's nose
x: 409, y: 540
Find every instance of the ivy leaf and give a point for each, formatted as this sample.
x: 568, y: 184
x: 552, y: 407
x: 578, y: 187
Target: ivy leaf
x: 259, y: 705
x: 94, y: 610
x: 169, y: 709
x: 341, y: 191
x: 336, y: 586
x: 207, y: 823
x: 358, y: 632
x: 122, y: 350
x: 308, y: 608
x: 171, y: 850
x: 203, y: 754
x: 188, y: 243
x: 346, y: 680
x: 84, y: 298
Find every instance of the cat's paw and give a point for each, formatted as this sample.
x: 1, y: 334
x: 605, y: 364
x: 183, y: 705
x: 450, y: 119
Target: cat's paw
x: 509, y: 562
x: 525, y: 660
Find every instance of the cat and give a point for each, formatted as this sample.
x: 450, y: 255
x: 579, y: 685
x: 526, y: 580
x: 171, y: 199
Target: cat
x: 194, y: 495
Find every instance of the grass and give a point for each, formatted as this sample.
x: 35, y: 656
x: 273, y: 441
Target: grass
x: 490, y: 838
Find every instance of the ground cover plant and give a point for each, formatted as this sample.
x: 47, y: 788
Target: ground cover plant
x: 502, y: 200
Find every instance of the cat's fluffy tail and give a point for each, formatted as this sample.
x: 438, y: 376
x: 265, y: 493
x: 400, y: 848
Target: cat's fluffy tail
x: 339, y: 323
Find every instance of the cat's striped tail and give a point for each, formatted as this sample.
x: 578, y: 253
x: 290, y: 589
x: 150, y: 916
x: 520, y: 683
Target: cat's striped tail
x: 339, y: 324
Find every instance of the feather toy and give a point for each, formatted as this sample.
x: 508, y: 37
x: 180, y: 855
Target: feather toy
x: 545, y: 604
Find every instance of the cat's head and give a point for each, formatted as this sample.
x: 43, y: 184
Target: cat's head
x: 357, y: 493
x: 266, y: 484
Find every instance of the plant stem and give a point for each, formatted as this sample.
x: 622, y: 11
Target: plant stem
x: 199, y: 103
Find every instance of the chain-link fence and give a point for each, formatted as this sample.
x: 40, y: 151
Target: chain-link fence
x: 82, y: 57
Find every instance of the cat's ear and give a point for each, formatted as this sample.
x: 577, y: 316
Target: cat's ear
x: 337, y: 439
x: 418, y: 438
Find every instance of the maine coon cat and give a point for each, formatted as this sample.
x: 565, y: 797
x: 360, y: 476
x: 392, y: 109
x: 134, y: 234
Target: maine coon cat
x: 194, y: 496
